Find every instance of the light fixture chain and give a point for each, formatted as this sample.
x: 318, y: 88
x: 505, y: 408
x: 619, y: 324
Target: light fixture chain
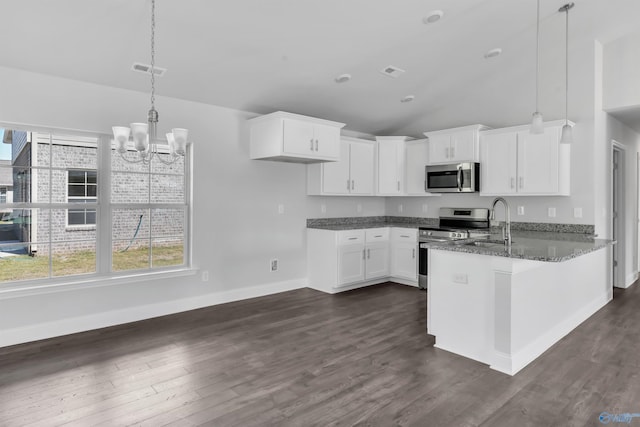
x: 153, y: 54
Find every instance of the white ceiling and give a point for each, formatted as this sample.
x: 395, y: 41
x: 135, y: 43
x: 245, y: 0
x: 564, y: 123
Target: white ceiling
x: 268, y: 55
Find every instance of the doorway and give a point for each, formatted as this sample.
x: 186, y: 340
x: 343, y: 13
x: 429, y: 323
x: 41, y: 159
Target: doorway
x: 617, y: 213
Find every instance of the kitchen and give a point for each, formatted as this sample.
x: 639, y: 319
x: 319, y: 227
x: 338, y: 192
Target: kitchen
x: 240, y: 230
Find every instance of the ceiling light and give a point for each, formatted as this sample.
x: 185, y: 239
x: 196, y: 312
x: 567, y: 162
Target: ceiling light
x: 566, y: 136
x: 392, y: 71
x: 493, y: 53
x: 343, y: 78
x: 408, y: 98
x: 432, y: 17
x: 145, y: 138
x: 537, y: 125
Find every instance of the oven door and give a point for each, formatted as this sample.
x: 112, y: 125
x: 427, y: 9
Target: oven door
x: 422, y: 266
x: 454, y: 178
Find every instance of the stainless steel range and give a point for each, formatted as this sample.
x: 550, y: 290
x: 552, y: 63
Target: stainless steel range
x: 454, y: 224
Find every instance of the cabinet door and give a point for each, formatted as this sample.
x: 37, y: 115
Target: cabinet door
x: 350, y: 264
x: 416, y: 155
x: 463, y: 146
x: 439, y: 149
x: 335, y: 175
x: 498, y: 159
x: 377, y: 260
x: 390, y: 163
x: 298, y: 138
x: 538, y: 162
x: 326, y: 141
x: 404, y: 261
x: 362, y: 166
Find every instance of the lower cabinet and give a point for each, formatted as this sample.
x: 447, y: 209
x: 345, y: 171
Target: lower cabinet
x: 404, y: 253
x: 341, y: 260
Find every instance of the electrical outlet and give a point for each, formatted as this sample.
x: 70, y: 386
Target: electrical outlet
x: 520, y: 210
x: 400, y: 208
x: 205, y: 276
x: 323, y: 208
x: 461, y: 278
x: 359, y: 208
x: 425, y: 208
x: 273, y: 265
x: 281, y: 208
x: 551, y: 212
x: 577, y: 212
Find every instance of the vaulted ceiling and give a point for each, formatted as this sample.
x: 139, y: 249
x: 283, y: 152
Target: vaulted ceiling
x: 268, y: 55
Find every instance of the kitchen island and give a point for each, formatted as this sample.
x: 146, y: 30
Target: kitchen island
x: 505, y: 307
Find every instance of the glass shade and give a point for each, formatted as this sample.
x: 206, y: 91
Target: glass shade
x: 180, y: 138
x: 567, y: 134
x: 139, y: 132
x: 172, y: 143
x: 537, y: 125
x: 121, y: 136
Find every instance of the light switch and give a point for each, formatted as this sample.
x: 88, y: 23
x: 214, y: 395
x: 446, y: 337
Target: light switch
x: 425, y: 208
x: 461, y: 278
x: 551, y: 212
x: 400, y: 208
x: 281, y: 208
x: 359, y: 208
x: 323, y: 208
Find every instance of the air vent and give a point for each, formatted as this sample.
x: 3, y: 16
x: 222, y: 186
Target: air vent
x: 146, y: 68
x: 392, y: 71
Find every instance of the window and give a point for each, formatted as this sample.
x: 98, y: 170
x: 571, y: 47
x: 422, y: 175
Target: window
x: 3, y: 194
x: 82, y: 187
x: 83, y: 209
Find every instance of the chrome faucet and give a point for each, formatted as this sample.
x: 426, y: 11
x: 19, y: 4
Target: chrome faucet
x: 506, y: 230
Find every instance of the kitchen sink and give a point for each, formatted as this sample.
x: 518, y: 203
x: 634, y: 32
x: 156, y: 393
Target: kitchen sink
x: 493, y: 245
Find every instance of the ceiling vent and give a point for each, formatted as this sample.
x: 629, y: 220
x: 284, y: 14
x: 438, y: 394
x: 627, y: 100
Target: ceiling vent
x: 392, y: 71
x: 146, y: 68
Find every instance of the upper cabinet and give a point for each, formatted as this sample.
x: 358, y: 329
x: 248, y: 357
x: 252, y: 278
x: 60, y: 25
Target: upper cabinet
x: 291, y: 137
x: 416, y: 158
x: 454, y: 145
x: 391, y: 165
x: 517, y: 162
x: 353, y: 174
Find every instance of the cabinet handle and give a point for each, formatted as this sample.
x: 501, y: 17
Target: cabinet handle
x: 405, y: 236
x: 352, y: 238
x: 352, y: 184
x: 398, y: 185
x: 316, y: 145
x: 425, y: 185
x: 369, y: 253
x: 453, y: 152
x: 347, y: 184
x: 378, y: 235
x: 446, y: 153
x: 364, y: 254
x: 311, y: 145
x: 513, y: 183
x: 413, y: 253
x: 521, y: 183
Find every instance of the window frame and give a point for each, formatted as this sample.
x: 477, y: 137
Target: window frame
x: 84, y: 226
x: 103, y: 275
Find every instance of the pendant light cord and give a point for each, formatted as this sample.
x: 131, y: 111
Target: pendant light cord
x: 153, y: 54
x: 566, y: 70
x: 537, y: 53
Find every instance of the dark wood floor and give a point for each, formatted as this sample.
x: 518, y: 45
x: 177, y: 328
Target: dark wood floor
x: 304, y: 358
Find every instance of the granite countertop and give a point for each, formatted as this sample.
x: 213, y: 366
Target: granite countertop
x: 373, y: 224
x: 531, y: 245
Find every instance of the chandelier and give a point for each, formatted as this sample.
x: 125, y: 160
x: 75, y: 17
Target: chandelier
x: 144, y: 135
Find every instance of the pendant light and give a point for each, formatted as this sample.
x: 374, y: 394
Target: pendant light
x: 536, y: 120
x: 144, y: 135
x: 567, y: 133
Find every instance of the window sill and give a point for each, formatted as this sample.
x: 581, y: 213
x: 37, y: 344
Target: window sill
x: 80, y: 228
x: 33, y: 287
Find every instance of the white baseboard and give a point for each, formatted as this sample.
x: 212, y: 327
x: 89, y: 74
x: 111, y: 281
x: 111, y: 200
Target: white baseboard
x: 630, y: 279
x: 518, y: 360
x: 132, y: 314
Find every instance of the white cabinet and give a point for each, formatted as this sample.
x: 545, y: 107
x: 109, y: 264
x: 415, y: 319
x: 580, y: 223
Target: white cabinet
x: 377, y: 253
x: 404, y: 253
x: 454, y: 145
x: 391, y: 163
x: 353, y: 174
x: 416, y: 158
x: 362, y: 255
x: 294, y: 138
x: 517, y: 162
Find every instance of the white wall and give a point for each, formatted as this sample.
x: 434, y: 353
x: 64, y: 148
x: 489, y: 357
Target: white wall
x: 237, y: 228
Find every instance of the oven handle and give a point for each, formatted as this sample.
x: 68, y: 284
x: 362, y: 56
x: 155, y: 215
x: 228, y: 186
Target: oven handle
x: 459, y: 178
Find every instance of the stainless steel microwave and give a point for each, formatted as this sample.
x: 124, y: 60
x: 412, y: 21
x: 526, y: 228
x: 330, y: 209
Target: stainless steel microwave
x: 453, y: 178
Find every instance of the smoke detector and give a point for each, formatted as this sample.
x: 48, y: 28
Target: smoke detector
x: 146, y: 68
x: 392, y: 71
x: 408, y: 98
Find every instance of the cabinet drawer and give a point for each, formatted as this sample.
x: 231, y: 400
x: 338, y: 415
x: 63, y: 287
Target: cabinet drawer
x: 404, y: 234
x: 347, y: 237
x: 377, y: 234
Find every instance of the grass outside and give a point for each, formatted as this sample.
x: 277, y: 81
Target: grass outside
x: 24, y: 267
